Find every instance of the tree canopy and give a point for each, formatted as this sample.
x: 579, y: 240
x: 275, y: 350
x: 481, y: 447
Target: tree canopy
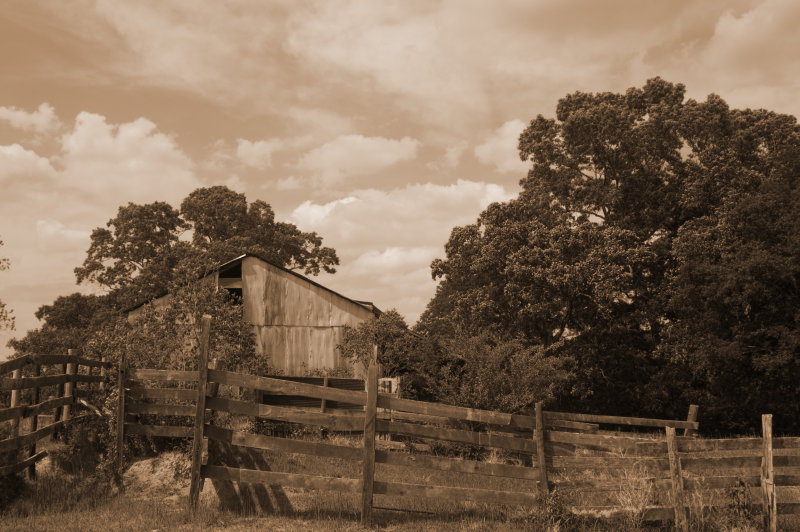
x: 655, y: 246
x: 140, y: 252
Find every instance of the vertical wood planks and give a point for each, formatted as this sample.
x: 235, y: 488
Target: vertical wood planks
x: 199, y: 419
x: 121, y: 376
x: 368, y: 464
x: 675, y: 473
x: 541, y: 458
x: 37, y: 371
x: 692, y: 416
x: 768, y: 476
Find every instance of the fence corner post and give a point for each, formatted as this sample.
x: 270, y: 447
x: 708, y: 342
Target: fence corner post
x: 676, y: 475
x: 200, y: 413
x: 368, y: 464
x: 768, y: 476
x: 541, y: 455
x: 16, y: 374
x: 691, y: 417
x: 122, y: 375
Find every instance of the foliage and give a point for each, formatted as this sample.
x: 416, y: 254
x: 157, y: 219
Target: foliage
x: 166, y: 336
x: 68, y: 323
x: 401, y: 352
x: 6, y: 315
x: 482, y: 372
x: 140, y: 254
x: 654, y: 247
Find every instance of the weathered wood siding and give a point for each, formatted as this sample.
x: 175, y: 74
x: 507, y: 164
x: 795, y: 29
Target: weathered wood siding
x: 297, y: 323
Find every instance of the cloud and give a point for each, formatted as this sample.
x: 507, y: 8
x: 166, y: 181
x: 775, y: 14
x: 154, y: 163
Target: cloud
x: 357, y: 155
x: 289, y: 183
x: 124, y: 162
x: 41, y: 121
x: 500, y: 148
x: 52, y: 235
x: 18, y: 162
x: 387, y: 239
x: 258, y: 154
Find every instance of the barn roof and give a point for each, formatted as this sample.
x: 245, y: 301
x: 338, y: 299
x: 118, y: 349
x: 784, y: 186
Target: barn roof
x: 366, y: 304
x: 227, y: 265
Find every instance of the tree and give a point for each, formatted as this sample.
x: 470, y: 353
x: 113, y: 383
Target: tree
x: 654, y: 245
x: 225, y: 225
x: 6, y: 315
x: 139, y: 236
x: 139, y: 255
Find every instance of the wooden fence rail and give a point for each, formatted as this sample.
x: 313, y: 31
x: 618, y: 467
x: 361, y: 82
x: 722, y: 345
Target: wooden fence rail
x: 25, y: 433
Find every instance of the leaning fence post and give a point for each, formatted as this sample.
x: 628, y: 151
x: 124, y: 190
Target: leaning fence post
x: 370, y: 414
x: 200, y: 414
x: 691, y: 417
x: 676, y: 475
x: 122, y: 374
x: 541, y: 456
x: 37, y: 371
x: 768, y: 476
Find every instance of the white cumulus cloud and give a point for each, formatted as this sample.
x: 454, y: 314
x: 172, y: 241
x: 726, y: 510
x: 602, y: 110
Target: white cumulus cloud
x: 500, y: 148
x: 42, y: 121
x: 18, y: 162
x: 125, y: 162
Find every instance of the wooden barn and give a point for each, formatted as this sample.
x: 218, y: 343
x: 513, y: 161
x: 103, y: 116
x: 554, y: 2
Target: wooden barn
x: 297, y: 322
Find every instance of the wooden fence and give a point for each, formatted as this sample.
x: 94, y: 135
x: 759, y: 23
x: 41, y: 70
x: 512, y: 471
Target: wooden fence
x: 658, y: 475
x: 40, y: 386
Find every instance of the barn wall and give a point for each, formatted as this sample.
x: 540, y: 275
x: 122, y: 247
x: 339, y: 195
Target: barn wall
x: 297, y: 324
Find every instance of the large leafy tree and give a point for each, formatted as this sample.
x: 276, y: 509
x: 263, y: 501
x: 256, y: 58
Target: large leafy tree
x: 224, y: 224
x: 140, y: 253
x: 6, y: 315
x: 654, y: 244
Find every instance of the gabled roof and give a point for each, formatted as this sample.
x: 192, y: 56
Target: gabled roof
x: 238, y: 260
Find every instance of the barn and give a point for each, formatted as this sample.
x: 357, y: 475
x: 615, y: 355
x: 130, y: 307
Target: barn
x: 297, y: 322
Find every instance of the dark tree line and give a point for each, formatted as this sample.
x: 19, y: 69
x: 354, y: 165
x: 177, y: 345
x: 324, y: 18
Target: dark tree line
x: 651, y: 260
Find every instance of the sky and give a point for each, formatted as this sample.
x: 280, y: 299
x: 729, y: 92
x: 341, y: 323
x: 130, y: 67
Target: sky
x: 379, y: 125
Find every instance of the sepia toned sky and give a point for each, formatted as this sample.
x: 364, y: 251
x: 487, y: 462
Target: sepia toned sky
x: 380, y: 125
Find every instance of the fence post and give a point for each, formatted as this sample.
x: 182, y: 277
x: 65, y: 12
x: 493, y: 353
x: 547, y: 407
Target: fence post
x: 324, y: 402
x: 370, y: 414
x: 200, y: 414
x: 676, y: 475
x: 541, y: 456
x: 15, y: 403
x: 122, y: 375
x: 37, y: 371
x: 768, y: 476
x: 692, y: 416
x: 69, y: 386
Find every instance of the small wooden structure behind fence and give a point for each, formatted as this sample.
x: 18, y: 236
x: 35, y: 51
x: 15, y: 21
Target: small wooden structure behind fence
x: 40, y: 385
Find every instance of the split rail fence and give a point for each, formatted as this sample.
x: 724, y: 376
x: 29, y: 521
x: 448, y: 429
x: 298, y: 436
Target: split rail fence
x: 42, y: 389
